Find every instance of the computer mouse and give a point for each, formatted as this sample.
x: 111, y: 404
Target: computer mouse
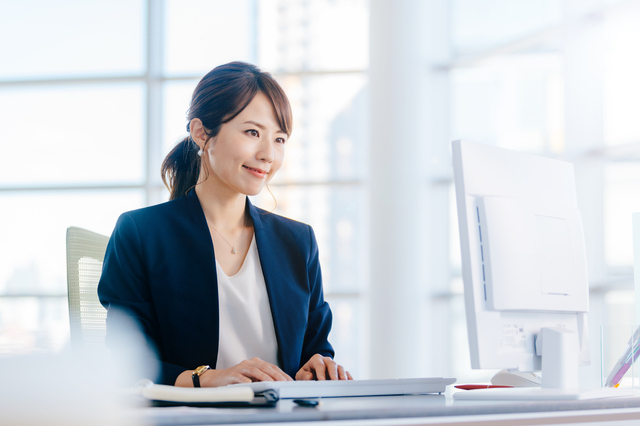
x: 516, y: 379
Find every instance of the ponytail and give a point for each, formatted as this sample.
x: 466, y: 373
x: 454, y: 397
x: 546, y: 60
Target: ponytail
x: 181, y: 168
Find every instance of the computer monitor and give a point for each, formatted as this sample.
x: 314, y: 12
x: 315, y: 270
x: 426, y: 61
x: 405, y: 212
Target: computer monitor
x: 524, y: 268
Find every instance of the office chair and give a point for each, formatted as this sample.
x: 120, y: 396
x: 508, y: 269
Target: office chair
x: 85, y: 253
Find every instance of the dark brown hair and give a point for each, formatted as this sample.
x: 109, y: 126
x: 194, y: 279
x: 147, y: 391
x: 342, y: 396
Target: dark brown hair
x: 220, y: 96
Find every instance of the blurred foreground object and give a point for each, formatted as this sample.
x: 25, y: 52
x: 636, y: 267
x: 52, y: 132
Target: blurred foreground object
x: 83, y: 386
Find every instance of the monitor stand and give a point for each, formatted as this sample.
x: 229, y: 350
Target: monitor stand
x: 559, y: 350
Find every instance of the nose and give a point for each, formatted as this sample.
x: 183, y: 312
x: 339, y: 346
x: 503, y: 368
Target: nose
x: 265, y: 151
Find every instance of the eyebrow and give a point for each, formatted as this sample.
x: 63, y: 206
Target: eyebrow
x: 262, y: 127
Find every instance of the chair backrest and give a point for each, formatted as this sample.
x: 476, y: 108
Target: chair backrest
x: 87, y: 317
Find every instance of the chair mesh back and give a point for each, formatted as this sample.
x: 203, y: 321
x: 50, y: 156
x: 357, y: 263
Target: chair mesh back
x: 85, y: 253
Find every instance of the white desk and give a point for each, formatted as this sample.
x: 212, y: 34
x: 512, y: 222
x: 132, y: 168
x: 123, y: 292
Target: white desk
x: 409, y: 410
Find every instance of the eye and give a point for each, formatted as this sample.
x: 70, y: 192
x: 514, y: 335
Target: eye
x: 281, y: 140
x: 253, y: 132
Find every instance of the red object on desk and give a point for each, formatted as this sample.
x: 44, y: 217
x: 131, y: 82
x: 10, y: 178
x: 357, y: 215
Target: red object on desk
x: 472, y: 387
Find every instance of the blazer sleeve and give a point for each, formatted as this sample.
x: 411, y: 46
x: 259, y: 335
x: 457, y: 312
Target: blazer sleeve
x: 124, y: 287
x: 316, y: 338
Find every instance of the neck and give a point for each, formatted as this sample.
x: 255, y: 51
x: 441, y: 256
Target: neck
x: 223, y: 212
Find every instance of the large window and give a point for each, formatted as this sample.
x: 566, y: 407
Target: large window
x: 93, y: 100
x: 72, y: 101
x: 96, y: 93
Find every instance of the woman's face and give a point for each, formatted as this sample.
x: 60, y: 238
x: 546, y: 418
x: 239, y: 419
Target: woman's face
x: 248, y: 150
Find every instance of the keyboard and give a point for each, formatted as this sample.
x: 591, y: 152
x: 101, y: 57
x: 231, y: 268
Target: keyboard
x: 342, y: 388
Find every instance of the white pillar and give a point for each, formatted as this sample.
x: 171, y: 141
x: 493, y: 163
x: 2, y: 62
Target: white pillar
x: 584, y: 117
x: 403, y: 53
x: 584, y: 131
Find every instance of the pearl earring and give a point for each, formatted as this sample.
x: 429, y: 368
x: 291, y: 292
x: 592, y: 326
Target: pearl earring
x: 200, y: 153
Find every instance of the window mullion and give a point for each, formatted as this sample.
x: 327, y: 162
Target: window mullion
x: 153, y: 82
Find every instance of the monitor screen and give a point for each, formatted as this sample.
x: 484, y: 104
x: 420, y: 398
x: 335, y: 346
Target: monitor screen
x: 524, y: 264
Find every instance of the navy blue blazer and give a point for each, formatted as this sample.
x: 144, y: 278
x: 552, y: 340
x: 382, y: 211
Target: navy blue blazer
x: 160, y: 267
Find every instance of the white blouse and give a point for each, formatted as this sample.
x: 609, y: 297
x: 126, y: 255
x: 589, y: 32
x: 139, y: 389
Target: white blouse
x: 246, y: 324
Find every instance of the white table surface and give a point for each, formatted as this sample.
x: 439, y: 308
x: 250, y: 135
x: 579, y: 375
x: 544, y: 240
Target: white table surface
x: 407, y: 410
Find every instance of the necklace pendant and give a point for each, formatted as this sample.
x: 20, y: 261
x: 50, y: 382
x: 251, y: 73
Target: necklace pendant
x: 233, y: 251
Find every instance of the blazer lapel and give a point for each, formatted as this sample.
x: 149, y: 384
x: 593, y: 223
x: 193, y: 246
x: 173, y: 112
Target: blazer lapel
x: 272, y: 252
x: 205, y: 287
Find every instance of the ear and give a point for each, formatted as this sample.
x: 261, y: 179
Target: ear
x: 198, y: 133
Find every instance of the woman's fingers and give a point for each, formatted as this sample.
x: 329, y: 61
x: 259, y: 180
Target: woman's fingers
x: 262, y: 371
x: 331, y: 369
x: 272, y: 370
x: 322, y: 368
x: 215, y: 378
x: 342, y: 374
x: 233, y: 379
x: 318, y: 367
x: 256, y: 374
x: 253, y: 370
x: 304, y: 375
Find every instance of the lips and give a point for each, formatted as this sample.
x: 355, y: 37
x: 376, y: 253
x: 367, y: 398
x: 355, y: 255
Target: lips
x: 256, y: 172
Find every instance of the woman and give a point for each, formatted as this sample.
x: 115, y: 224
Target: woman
x: 227, y: 292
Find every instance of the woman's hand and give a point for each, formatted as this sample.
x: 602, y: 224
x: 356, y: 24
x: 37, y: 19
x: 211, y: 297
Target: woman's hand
x: 322, y: 368
x: 252, y: 370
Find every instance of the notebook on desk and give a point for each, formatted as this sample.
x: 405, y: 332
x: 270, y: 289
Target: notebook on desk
x: 237, y: 396
x: 342, y: 388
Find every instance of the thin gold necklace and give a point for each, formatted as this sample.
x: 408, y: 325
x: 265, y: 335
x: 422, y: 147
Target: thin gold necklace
x: 233, y: 247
